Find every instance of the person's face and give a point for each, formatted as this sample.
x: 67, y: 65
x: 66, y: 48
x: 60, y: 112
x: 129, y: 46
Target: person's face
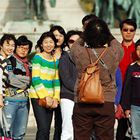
x: 48, y: 45
x: 22, y: 51
x: 59, y: 37
x: 72, y: 39
x: 138, y: 52
x: 7, y: 48
x: 128, y: 32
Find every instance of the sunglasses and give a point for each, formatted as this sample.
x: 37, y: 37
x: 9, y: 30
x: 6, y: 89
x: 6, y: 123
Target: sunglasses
x: 126, y: 30
x: 71, y: 41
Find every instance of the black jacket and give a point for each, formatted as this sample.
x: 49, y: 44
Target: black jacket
x: 131, y: 92
x: 68, y: 74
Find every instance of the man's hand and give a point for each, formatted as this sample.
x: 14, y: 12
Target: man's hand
x: 127, y: 113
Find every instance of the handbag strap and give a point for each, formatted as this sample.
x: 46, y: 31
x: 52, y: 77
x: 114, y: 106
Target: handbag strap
x: 99, y: 57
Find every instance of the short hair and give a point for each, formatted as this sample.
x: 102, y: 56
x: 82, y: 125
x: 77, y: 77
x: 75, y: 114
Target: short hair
x: 96, y: 33
x: 131, y: 22
x: 23, y: 40
x: 89, y: 17
x: 43, y: 36
x: 7, y: 37
x: 137, y: 43
x: 61, y: 31
x: 71, y: 33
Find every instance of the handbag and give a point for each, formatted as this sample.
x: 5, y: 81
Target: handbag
x: 4, y: 127
x: 44, y: 102
x: 89, y: 88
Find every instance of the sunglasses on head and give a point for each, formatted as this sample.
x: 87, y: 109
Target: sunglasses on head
x: 71, y: 41
x: 126, y: 30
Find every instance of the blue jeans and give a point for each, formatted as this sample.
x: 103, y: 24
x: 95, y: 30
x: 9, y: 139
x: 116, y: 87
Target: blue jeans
x: 17, y: 117
x: 135, y: 118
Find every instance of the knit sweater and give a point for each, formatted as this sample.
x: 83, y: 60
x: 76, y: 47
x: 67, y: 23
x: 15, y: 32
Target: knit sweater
x: 3, y: 74
x: 45, y: 79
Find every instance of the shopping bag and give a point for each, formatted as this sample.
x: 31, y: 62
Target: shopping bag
x: 4, y: 127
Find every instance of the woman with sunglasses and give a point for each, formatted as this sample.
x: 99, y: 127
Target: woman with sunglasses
x: 67, y: 72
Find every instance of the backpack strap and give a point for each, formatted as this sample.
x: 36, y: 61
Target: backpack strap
x: 99, y: 57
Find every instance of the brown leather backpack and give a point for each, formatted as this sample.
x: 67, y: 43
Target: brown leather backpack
x: 89, y: 88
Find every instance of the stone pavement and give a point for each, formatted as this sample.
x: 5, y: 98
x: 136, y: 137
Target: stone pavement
x: 31, y: 132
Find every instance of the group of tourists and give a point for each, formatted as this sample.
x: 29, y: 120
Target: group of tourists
x: 53, y: 75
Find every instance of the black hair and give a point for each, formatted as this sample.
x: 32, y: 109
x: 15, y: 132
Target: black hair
x: 61, y: 31
x: 8, y: 37
x: 23, y: 40
x: 131, y: 22
x: 88, y: 18
x: 97, y: 33
x: 71, y: 33
x: 137, y: 43
x: 43, y: 36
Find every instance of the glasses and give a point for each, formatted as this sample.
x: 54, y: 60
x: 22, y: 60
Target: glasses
x: 126, y: 30
x: 71, y: 41
x: 24, y: 48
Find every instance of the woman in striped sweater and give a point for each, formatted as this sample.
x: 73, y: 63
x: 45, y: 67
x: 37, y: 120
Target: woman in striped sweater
x: 45, y: 84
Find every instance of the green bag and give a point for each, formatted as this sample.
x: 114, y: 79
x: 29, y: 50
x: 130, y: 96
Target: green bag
x: 52, y: 3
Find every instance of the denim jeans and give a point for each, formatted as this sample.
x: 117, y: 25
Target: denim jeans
x: 17, y: 117
x: 135, y: 119
x: 43, y: 118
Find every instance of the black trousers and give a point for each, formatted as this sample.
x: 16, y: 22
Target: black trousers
x: 89, y: 117
x: 121, y: 129
x: 43, y: 118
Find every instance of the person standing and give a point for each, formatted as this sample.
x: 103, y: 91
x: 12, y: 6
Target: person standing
x: 131, y: 100
x: 97, y: 117
x: 128, y: 29
x: 16, y: 101
x: 7, y: 46
x: 45, y: 84
x: 68, y: 74
x: 60, y: 36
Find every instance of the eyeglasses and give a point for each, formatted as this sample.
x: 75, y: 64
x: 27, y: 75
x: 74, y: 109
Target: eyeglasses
x: 71, y: 41
x: 126, y: 30
x: 23, y: 48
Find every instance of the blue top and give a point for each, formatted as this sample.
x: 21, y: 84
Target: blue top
x: 119, y: 86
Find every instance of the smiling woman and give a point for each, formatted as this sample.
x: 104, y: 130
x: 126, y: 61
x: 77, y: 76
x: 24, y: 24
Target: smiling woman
x: 45, y: 84
x: 7, y: 46
x: 16, y: 101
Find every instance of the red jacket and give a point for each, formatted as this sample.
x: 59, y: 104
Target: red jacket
x: 128, y: 58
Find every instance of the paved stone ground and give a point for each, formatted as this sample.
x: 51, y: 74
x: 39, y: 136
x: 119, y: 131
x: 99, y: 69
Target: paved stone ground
x: 30, y: 135
x: 31, y: 132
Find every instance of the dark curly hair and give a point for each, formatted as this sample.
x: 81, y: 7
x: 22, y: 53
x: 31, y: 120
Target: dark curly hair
x: 97, y: 34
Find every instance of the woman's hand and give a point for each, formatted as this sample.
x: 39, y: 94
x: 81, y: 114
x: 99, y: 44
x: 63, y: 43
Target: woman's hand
x: 1, y: 101
x: 49, y: 101
x: 55, y: 103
